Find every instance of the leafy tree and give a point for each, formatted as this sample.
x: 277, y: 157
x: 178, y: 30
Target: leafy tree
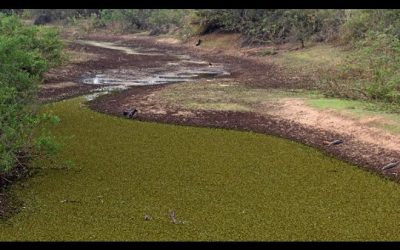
x: 26, y: 52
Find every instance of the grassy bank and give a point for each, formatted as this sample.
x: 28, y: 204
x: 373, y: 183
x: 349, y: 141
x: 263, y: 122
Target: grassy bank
x: 232, y: 96
x: 224, y: 185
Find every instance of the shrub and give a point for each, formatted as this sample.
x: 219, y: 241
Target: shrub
x: 359, y: 22
x: 275, y: 25
x: 134, y: 20
x: 371, y: 71
x: 26, y: 52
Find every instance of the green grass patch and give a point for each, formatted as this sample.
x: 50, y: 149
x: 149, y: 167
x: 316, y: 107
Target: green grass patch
x: 360, y: 109
x: 392, y: 128
x: 338, y: 104
x: 215, y: 96
x: 218, y: 106
x: 225, y: 185
x: 220, y: 41
x: 234, y: 97
x: 267, y: 52
x: 312, y: 59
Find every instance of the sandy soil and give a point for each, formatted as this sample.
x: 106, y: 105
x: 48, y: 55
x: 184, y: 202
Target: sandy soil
x: 298, y: 111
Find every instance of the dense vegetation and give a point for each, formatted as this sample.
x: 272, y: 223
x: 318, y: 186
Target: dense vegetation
x: 260, y: 25
x: 370, y: 72
x: 26, y: 52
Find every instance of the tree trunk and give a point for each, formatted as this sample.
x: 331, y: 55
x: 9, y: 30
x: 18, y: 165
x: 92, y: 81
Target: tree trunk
x: 302, y: 43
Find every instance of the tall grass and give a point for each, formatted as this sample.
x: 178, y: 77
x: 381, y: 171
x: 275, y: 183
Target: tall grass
x: 371, y: 71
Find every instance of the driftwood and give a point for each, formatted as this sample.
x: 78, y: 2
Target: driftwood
x: 335, y: 142
x: 391, y: 165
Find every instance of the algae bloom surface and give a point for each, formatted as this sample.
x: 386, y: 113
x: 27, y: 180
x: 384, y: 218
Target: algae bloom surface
x: 223, y: 185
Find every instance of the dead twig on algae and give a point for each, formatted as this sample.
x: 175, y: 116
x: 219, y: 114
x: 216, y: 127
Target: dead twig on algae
x: 172, y: 215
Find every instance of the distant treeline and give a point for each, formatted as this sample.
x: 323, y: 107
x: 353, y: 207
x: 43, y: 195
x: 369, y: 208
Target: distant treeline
x: 257, y: 25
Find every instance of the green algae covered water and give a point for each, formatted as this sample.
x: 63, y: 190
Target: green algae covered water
x: 223, y: 185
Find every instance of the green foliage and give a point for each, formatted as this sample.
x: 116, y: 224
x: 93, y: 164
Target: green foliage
x: 96, y: 21
x: 166, y: 17
x: 129, y: 19
x: 274, y: 24
x: 359, y: 22
x: 267, y: 52
x: 133, y: 20
x: 47, y: 144
x: 25, y: 54
x: 60, y: 14
x: 379, y: 57
x: 356, y: 25
x: 6, y: 11
x: 371, y: 71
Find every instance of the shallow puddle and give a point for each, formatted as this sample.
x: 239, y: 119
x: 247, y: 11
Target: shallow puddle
x: 126, y: 77
x: 184, y: 70
x: 127, y: 50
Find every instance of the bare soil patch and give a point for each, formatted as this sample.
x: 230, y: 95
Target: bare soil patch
x: 298, y: 111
